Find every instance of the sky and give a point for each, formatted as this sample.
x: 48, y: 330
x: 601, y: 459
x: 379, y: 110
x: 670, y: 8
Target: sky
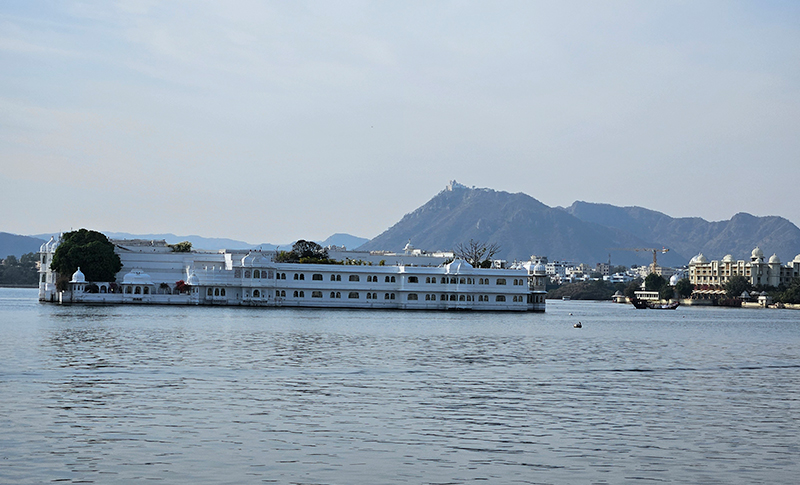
x: 275, y: 121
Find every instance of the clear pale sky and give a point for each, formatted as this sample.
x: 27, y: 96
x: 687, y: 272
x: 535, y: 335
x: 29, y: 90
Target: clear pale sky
x: 273, y: 121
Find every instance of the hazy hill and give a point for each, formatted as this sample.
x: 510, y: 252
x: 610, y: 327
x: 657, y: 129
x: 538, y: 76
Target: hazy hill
x: 583, y: 232
x: 522, y: 226
x: 211, y: 243
x: 13, y: 244
x: 691, y: 235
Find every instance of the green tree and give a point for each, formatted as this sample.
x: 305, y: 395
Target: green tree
x: 654, y: 282
x: 89, y: 250
x: 632, y: 288
x: 181, y: 247
x: 736, y: 286
x: 684, y: 288
x: 304, y: 251
x: 792, y: 293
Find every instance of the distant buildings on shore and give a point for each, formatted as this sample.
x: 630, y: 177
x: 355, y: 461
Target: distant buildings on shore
x: 713, y: 275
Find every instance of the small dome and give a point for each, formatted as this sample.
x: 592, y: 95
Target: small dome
x: 698, y: 259
x: 78, y: 277
x: 774, y: 259
x: 797, y: 259
x: 757, y: 253
x: 137, y: 277
x: 728, y: 258
x: 539, y: 270
x: 193, y: 280
x: 673, y: 280
x: 457, y: 266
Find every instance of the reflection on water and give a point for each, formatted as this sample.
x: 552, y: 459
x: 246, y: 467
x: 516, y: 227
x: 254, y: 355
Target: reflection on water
x: 228, y: 395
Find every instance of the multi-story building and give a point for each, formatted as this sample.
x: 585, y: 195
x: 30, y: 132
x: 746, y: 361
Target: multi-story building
x: 715, y: 274
x: 152, y: 273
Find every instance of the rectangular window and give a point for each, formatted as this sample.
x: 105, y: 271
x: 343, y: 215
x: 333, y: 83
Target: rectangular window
x: 354, y: 277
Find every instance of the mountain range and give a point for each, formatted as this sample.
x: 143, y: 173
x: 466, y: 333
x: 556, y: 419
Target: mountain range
x: 584, y: 232
x: 523, y: 226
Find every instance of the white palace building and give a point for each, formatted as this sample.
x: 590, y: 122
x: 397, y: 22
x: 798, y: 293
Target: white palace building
x: 152, y: 273
x: 711, y: 276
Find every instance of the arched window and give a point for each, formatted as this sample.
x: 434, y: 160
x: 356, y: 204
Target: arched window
x: 369, y: 279
x: 412, y: 296
x: 392, y: 279
x: 256, y: 294
x: 443, y: 280
x: 338, y: 294
x: 333, y: 294
x: 216, y: 291
x: 453, y: 298
x: 500, y: 298
x: 222, y: 292
x: 442, y: 297
x: 146, y: 290
x: 353, y: 295
x: 462, y: 281
x: 386, y: 296
x: 302, y: 276
x: 296, y: 276
x: 283, y: 276
x: 333, y: 277
x: 369, y: 296
x: 501, y: 281
x: 391, y: 295
x: 413, y: 279
x: 316, y: 277
x: 427, y: 279
x: 386, y: 280
x: 247, y: 273
x: 453, y: 281
x: 302, y: 294
x: 256, y: 273
x: 210, y: 292
x: 354, y: 277
x: 427, y: 297
x: 294, y: 295
x: 338, y: 277
x: 271, y: 275
x: 462, y: 298
x: 374, y: 296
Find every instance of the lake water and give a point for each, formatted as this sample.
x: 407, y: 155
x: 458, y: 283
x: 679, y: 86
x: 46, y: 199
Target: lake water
x: 131, y: 394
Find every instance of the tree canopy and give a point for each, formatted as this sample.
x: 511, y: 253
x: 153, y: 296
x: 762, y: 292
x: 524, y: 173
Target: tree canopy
x: 304, y: 252
x: 19, y: 272
x: 684, y: 288
x: 181, y: 247
x: 736, y: 286
x: 89, y: 250
x: 477, y: 253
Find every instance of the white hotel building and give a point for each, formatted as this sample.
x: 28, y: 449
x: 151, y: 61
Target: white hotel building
x: 151, y: 272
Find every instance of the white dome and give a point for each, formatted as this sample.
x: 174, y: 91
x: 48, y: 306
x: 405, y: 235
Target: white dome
x: 458, y: 266
x: 797, y: 259
x: 698, y: 259
x: 137, y: 277
x: 539, y: 270
x: 673, y: 280
x: 78, y: 277
x: 774, y: 259
x: 728, y: 258
x: 757, y: 253
x: 193, y: 280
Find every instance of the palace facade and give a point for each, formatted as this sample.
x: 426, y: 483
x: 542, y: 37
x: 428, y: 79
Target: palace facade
x: 154, y: 274
x: 715, y: 274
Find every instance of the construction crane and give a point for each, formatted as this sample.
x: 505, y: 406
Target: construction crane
x: 654, y: 250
